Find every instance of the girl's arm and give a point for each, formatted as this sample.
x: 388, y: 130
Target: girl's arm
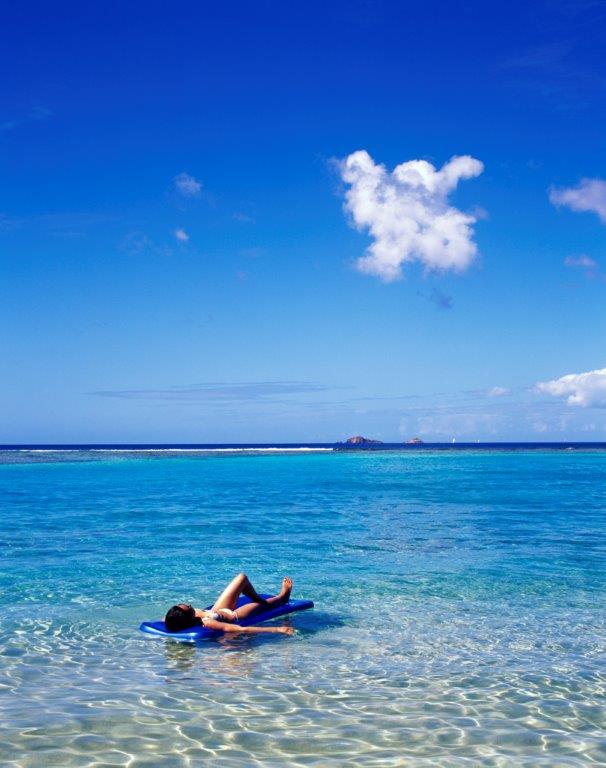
x: 220, y: 626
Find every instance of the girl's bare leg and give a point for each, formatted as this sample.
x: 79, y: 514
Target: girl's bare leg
x: 239, y: 586
x: 282, y: 597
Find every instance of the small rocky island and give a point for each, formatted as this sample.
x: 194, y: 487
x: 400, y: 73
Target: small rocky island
x: 358, y: 440
x: 361, y: 443
x: 358, y: 443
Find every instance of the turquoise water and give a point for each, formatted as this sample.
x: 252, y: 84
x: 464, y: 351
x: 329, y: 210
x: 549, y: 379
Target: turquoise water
x: 460, y: 609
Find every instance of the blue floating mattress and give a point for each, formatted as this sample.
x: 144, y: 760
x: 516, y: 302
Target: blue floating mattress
x: 158, y: 628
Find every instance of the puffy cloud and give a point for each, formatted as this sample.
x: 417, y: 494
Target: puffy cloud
x: 187, y: 185
x: 181, y: 235
x: 498, y: 392
x: 406, y: 212
x: 588, y: 195
x: 583, y: 389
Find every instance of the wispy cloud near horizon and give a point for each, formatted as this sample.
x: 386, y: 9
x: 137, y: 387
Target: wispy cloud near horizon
x: 407, y: 213
x: 467, y: 415
x: 229, y: 392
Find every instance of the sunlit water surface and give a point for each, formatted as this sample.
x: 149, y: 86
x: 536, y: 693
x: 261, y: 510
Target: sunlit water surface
x: 459, y: 613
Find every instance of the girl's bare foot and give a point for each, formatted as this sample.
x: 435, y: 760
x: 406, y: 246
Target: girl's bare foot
x: 286, y: 588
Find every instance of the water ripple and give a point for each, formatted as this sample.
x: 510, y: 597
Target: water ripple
x: 459, y: 620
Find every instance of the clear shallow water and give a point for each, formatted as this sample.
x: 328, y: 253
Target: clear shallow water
x: 459, y: 609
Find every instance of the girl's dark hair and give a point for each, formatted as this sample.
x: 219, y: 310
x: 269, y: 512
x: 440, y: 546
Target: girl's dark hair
x: 178, y: 618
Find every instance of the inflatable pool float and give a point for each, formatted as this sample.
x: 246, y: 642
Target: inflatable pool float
x: 191, y: 634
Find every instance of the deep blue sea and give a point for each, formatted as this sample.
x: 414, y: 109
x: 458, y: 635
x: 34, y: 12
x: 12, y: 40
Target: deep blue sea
x: 460, y: 607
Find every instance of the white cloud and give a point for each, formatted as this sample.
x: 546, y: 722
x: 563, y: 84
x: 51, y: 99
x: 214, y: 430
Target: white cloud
x: 588, y: 195
x: 187, y: 185
x: 462, y: 424
x: 583, y: 389
x: 243, y: 218
x: 521, y: 416
x: 181, y: 235
x: 498, y: 392
x: 407, y: 213
x: 581, y: 261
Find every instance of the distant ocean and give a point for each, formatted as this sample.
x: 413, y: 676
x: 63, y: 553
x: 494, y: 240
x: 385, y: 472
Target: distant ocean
x: 460, y: 605
x: 83, y: 448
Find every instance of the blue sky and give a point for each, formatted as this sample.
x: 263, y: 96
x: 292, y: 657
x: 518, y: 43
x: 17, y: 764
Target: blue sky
x: 183, y: 257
